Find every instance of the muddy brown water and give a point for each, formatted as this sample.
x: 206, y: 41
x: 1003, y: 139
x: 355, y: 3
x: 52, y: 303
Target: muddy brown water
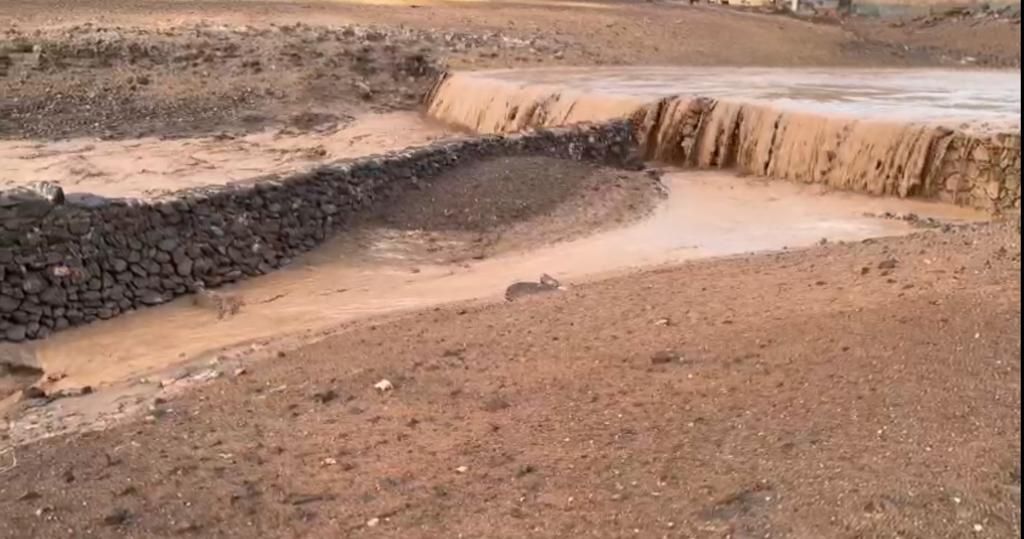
x: 149, y: 167
x: 984, y: 100
x: 951, y: 136
x: 698, y: 219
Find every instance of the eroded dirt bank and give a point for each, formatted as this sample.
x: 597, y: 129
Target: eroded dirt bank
x: 792, y: 394
x: 942, y: 154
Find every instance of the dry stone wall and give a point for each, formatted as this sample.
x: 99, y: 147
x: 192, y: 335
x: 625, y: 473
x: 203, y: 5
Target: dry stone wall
x: 71, y: 260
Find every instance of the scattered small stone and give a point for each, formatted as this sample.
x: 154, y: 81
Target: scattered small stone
x: 330, y: 461
x: 188, y: 527
x: 525, y: 470
x: 462, y: 469
x: 888, y: 264
x: 323, y: 397
x: 117, y: 517
x: 384, y: 386
x: 663, y: 322
x: 496, y: 404
x: 664, y: 356
x: 303, y: 499
x: 29, y: 496
x: 33, y: 392
x: 71, y: 392
x: 373, y: 522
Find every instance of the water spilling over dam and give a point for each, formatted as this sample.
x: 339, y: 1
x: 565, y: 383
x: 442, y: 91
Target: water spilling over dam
x: 930, y: 134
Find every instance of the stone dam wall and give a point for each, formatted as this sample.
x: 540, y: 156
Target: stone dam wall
x: 66, y: 261
x: 960, y: 166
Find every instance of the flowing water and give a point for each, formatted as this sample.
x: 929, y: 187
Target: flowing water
x: 951, y: 136
x: 700, y: 218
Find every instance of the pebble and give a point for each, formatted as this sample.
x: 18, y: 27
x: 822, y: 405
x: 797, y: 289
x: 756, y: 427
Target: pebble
x: 888, y: 264
x: 663, y: 357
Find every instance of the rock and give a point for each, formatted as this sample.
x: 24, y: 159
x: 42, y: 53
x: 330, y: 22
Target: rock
x: 71, y: 392
x: 33, y: 284
x: 496, y: 404
x: 323, y: 397
x: 29, y: 496
x: 888, y: 264
x: 663, y: 357
x: 33, y: 200
x: 33, y: 392
x: 150, y: 297
x: 16, y: 333
x: 167, y: 244
x: 8, y: 304
x: 87, y: 200
x: 365, y: 91
x: 384, y: 386
x: 117, y: 517
x: 184, y: 267
x: 54, y: 295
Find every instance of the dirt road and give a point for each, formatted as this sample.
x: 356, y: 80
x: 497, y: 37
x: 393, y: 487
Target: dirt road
x: 860, y: 390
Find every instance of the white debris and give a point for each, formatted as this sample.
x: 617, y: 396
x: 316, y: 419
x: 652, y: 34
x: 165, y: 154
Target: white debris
x: 462, y: 469
x: 373, y: 522
x: 384, y: 386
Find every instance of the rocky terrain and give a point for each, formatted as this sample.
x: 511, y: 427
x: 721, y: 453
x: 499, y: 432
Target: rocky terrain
x: 129, y: 82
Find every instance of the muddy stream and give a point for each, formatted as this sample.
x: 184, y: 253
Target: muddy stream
x: 705, y: 214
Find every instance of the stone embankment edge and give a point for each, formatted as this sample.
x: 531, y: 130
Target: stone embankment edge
x: 87, y: 258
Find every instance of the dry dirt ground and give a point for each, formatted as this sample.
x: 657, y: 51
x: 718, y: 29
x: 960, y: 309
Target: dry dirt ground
x: 855, y: 390
x: 140, y: 67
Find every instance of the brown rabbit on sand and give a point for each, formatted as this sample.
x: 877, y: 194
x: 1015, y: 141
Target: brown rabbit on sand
x: 518, y: 290
x: 223, y: 304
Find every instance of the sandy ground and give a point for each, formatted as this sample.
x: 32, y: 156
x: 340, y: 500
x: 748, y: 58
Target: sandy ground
x: 867, y: 389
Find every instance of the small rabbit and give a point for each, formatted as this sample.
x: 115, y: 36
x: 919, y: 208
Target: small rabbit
x: 518, y: 290
x: 224, y: 304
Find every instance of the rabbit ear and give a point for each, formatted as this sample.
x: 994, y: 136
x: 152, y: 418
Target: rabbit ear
x: 548, y: 280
